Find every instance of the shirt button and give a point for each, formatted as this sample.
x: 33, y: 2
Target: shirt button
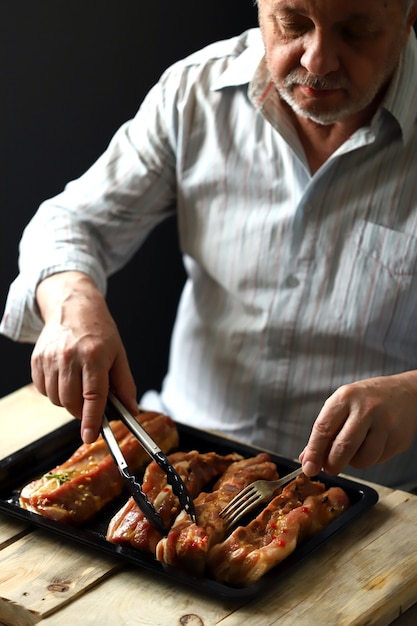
x: 292, y: 281
x: 308, y: 207
x: 262, y: 421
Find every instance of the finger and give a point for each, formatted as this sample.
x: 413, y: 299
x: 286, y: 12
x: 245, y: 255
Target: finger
x: 70, y: 391
x: 92, y: 416
x: 62, y: 380
x: 95, y: 388
x: 371, y: 451
x: 326, y: 427
x: 37, y: 373
x: 97, y: 376
x: 45, y: 378
x: 347, y: 444
x: 70, y: 384
x: 95, y: 397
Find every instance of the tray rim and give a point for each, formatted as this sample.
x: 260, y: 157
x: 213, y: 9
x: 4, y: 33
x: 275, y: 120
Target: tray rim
x: 366, y: 495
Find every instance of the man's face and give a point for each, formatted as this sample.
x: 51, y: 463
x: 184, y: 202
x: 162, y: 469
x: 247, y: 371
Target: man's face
x: 331, y: 59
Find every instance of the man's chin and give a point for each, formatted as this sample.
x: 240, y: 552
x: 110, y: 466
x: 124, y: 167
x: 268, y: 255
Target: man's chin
x: 317, y: 112
x: 321, y: 118
x: 319, y: 115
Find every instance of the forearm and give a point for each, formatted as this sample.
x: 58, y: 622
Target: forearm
x: 57, y: 293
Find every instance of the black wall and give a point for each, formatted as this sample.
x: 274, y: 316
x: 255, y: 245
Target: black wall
x: 71, y: 73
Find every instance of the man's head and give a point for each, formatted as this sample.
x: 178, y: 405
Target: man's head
x: 331, y: 60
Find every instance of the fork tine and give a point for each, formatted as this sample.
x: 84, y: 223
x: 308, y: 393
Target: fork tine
x: 243, y: 508
x: 239, y: 503
x: 252, y: 495
x: 236, y: 499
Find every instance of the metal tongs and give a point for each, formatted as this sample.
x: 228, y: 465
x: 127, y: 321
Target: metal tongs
x: 154, y: 451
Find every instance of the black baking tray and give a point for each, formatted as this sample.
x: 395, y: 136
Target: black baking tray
x: 44, y: 454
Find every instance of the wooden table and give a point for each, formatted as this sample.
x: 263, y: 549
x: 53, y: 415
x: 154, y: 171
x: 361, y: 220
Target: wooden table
x: 365, y: 575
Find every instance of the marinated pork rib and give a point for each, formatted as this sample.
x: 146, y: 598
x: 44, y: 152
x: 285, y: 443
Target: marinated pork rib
x: 297, y: 513
x: 187, y: 543
x: 130, y: 527
x: 76, y: 490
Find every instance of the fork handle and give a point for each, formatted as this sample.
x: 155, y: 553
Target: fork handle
x: 286, y: 479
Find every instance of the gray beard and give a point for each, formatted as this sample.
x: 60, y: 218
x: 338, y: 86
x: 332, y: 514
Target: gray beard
x: 324, y: 118
x: 329, y: 116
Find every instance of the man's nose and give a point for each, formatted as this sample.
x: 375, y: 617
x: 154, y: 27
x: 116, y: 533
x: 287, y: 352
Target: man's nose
x: 320, y: 56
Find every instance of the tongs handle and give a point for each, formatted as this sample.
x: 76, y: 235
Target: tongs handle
x: 137, y: 429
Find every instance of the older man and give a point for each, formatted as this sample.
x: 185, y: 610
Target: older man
x: 291, y: 154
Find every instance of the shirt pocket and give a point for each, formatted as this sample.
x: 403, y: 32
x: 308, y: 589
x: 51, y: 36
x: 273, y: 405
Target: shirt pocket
x: 377, y: 285
x: 395, y: 251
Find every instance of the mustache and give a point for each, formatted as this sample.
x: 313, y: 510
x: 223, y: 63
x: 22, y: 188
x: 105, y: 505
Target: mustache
x: 315, y: 82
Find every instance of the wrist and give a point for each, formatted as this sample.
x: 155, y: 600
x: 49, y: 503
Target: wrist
x: 53, y: 292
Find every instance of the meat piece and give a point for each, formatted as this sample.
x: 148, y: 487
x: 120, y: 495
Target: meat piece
x: 76, y: 490
x: 188, y: 543
x: 290, y: 518
x: 130, y: 527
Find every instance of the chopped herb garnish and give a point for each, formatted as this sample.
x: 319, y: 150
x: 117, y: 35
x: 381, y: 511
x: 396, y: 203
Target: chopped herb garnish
x: 61, y: 478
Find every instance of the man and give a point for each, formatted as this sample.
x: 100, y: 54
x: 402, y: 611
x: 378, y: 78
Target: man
x: 291, y: 153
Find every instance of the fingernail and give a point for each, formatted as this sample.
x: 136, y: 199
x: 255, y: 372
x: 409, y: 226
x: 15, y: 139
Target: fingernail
x: 88, y: 435
x: 309, y: 469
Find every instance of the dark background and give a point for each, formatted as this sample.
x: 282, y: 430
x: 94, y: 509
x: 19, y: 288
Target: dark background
x: 71, y: 73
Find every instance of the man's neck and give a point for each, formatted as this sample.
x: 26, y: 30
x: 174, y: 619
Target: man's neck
x: 321, y: 141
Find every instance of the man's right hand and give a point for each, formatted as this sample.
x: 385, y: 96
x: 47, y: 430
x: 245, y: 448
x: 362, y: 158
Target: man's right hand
x: 79, y: 353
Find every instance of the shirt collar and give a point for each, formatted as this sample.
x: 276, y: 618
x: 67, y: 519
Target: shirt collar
x: 401, y: 96
x: 242, y: 69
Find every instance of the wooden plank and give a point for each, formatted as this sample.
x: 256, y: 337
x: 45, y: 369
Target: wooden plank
x: 372, y: 581
x: 36, y: 416
x: 39, y: 574
x: 135, y: 596
x: 11, y: 530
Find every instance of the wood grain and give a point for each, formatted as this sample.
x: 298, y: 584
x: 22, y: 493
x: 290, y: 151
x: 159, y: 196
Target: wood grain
x: 39, y: 574
x: 36, y: 417
x: 11, y: 530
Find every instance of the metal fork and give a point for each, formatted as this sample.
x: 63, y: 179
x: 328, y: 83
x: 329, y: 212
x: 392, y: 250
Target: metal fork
x: 251, y: 496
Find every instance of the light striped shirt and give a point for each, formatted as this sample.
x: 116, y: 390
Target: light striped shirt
x: 296, y: 284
